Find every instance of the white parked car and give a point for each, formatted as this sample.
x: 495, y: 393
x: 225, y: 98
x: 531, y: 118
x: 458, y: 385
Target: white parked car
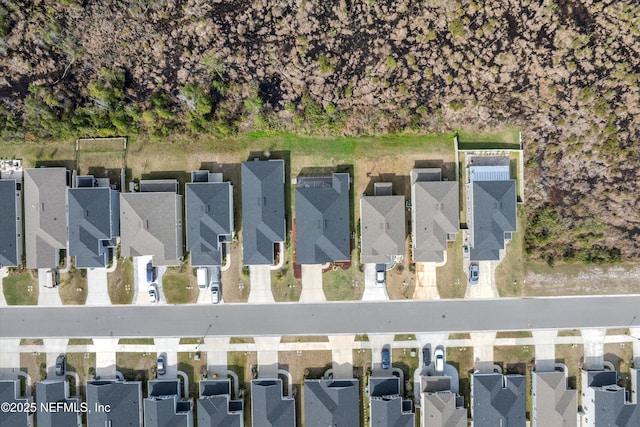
x: 153, y: 293
x: 215, y: 293
x: 439, y: 354
x: 201, y: 275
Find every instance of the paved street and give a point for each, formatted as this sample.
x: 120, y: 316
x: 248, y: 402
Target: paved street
x: 321, y: 319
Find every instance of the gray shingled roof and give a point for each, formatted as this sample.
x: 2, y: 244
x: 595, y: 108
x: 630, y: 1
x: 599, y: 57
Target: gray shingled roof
x: 435, y: 214
x: 56, y: 391
x: 215, y: 407
x: 322, y: 219
x: 263, y: 212
x: 268, y: 407
x: 10, y: 392
x: 553, y: 403
x: 609, y: 405
x: 494, y: 213
x: 94, y: 224
x: 329, y: 402
x: 493, y: 403
x: 45, y: 212
x: 387, y: 407
x: 9, y: 256
x: 443, y: 409
x: 209, y: 210
x: 382, y: 226
x: 124, y: 400
x: 151, y: 224
x: 163, y: 407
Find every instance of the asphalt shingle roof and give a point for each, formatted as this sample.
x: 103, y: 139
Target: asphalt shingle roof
x: 382, y: 228
x: 45, y: 212
x: 553, y: 403
x: 322, y: 219
x: 10, y: 392
x: 329, y: 402
x: 163, y: 407
x: 124, y: 400
x: 441, y: 409
x: 94, y: 223
x: 9, y: 256
x: 56, y: 391
x: 494, y: 404
x: 215, y: 407
x: 263, y: 213
x: 209, y: 210
x: 268, y: 407
x: 388, y: 409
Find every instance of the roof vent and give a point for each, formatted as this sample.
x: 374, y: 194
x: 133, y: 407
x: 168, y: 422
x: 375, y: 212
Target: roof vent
x: 145, y: 224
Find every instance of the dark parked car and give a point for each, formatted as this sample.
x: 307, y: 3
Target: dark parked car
x: 426, y: 355
x: 162, y: 364
x: 380, y: 274
x: 151, y: 273
x: 474, y: 273
x: 386, y: 358
x: 61, y: 365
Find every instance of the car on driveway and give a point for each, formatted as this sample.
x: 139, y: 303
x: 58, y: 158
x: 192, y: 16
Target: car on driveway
x: 153, y: 293
x: 215, y: 293
x: 380, y: 273
x: 202, y: 277
x: 151, y: 273
x: 439, y: 355
x: 426, y: 355
x: 162, y: 364
x: 61, y: 365
x: 386, y: 358
x: 474, y: 274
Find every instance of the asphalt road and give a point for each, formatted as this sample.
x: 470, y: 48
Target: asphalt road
x: 321, y: 318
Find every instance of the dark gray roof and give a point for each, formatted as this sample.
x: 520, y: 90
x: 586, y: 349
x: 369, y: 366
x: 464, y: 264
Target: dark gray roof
x: 494, y: 404
x: 329, y: 402
x: 382, y: 226
x: 435, y: 214
x: 215, y: 407
x: 608, y: 401
x: 553, y: 403
x: 494, y: 213
x: 209, y: 210
x: 163, y: 407
x: 45, y: 212
x: 263, y: 213
x: 268, y: 407
x: 151, y: 224
x: 124, y: 400
x: 322, y: 219
x: 10, y: 392
x: 388, y: 409
x: 56, y: 391
x: 9, y: 256
x: 94, y: 224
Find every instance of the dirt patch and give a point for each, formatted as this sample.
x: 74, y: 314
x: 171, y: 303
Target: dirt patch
x: 73, y: 287
x: 121, y: 282
x: 401, y: 281
x: 235, y: 284
x: 34, y: 364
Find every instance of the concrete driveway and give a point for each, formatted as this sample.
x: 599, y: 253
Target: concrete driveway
x: 486, y: 287
x: 141, y: 296
x: 47, y: 296
x: 170, y: 347
x: 97, y: 283
x: 372, y: 291
x: 426, y: 287
x: 105, y: 349
x: 54, y: 347
x: 260, y: 292
x: 593, y: 348
x: 342, y: 355
x: 378, y: 342
x: 9, y: 357
x: 312, y: 283
x: 3, y: 273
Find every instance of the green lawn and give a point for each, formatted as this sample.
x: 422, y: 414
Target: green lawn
x: 20, y: 289
x: 146, y: 341
x: 179, y: 287
x: 505, y: 139
x: 450, y: 278
x: 343, y: 285
x: 510, y: 271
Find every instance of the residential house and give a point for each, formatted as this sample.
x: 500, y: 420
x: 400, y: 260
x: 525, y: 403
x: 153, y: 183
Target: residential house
x: 382, y: 225
x: 605, y: 403
x: 492, y: 217
x: 440, y: 406
x: 61, y: 409
x: 331, y: 402
x: 435, y: 214
x: 263, y: 210
x: 151, y: 222
x: 94, y: 222
x: 10, y: 224
x: 115, y: 403
x: 209, y: 210
x: 215, y: 406
x: 387, y: 408
x: 45, y: 210
x: 10, y: 393
x: 322, y: 219
x: 498, y: 400
x: 553, y: 402
x: 164, y: 406
x: 269, y: 408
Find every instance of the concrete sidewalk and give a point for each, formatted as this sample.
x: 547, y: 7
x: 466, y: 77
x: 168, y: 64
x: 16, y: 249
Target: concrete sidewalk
x: 312, y: 290
x: 98, y: 288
